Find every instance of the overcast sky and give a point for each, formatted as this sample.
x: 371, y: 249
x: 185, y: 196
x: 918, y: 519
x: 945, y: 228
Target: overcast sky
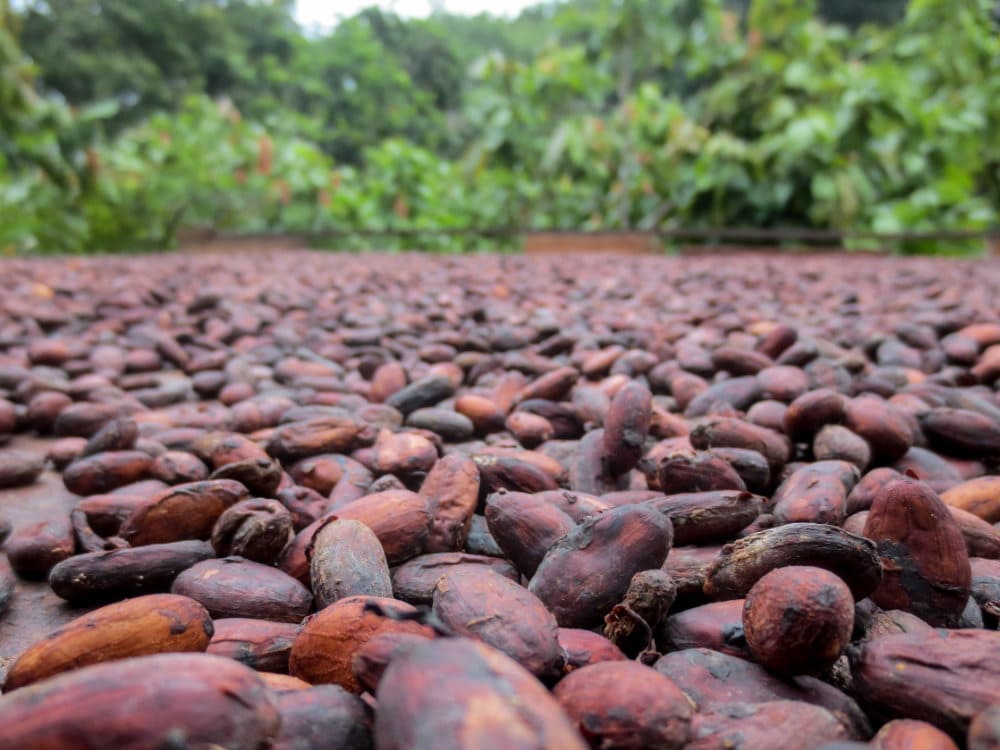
x: 325, y: 12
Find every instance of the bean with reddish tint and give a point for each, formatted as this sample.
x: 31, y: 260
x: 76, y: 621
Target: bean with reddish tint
x: 621, y: 705
x: 924, y: 556
x: 257, y: 529
x: 35, y: 549
x: 798, y: 620
x: 603, y: 553
x: 18, y: 468
x: 234, y: 587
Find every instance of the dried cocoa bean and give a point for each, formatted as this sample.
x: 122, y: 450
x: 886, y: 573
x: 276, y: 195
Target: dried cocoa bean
x: 404, y: 454
x: 717, y: 626
x: 944, y: 677
x: 980, y: 496
x: 511, y: 473
x: 206, y: 700
x: 744, y: 562
x: 962, y: 432
x: 903, y: 734
x: 723, y: 432
x: 260, y: 644
x: 626, y: 427
x: 372, y: 659
x: 452, y: 492
x: 312, y: 437
x: 427, y: 391
x: 116, y: 435
x: 187, y: 511
x: 104, y: 472
x: 695, y: 471
x: 256, y: 529
x: 304, y: 505
x: 837, y: 443
x: 19, y: 468
x: 751, y: 466
x: 924, y: 558
x: 984, y: 731
x: 261, y: 476
x: 414, y: 581
x: 712, y: 679
x: 100, y: 576
x: 798, y: 620
x: 35, y: 549
x: 621, y: 705
x: 583, y: 647
x: 322, y: 717
x: 882, y: 426
x: 486, y: 606
x: 325, y: 647
x: 816, y: 493
x: 530, y: 430
x: 871, y: 484
x: 451, y: 426
x: 234, y: 587
x: 159, y: 623
x: 346, y: 559
x: 177, y: 467
x: 453, y: 693
x: 399, y: 518
x: 603, y: 553
x: 782, y: 725
x: 811, y: 411
x: 579, y: 505
x: 525, y: 527
x: 704, y: 517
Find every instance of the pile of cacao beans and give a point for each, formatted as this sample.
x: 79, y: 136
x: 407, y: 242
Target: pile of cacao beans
x: 411, y: 503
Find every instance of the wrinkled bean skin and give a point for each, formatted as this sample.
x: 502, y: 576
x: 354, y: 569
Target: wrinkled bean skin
x: 452, y: 693
x: 142, y: 703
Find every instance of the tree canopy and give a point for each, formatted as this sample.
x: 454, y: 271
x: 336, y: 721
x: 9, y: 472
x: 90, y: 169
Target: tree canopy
x: 122, y: 121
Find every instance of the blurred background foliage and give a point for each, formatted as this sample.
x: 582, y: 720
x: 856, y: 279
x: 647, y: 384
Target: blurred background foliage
x: 122, y: 122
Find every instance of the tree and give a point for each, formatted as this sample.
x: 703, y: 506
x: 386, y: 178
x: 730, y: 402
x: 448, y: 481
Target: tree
x: 34, y: 134
x: 147, y: 56
x: 347, y: 91
x: 851, y: 13
x: 854, y: 13
x: 424, y: 52
x: 473, y: 37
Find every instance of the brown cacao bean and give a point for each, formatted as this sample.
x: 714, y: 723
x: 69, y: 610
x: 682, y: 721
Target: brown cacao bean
x: 744, y: 562
x: 187, y: 511
x: 143, y: 703
x: 324, y: 716
x: 481, y: 604
x: 602, y: 553
x: 944, y: 677
x: 234, y: 587
x: 256, y: 529
x: 924, y: 557
x: 346, y: 559
x: 622, y: 705
x: 159, y: 623
x: 260, y: 644
x: 325, y: 647
x: 454, y: 693
x: 798, y: 620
